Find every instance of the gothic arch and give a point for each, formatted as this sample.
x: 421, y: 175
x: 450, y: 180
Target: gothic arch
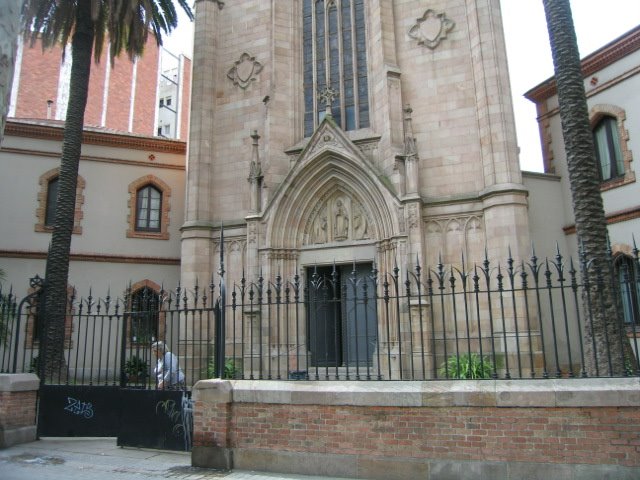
x: 323, y: 182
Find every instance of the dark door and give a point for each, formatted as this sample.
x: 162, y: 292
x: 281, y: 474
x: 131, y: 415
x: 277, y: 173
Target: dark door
x: 325, y: 316
x: 342, y: 315
x: 359, y: 314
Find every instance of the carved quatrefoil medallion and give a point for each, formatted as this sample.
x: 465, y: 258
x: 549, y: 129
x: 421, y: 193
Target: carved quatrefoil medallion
x: 431, y: 28
x: 244, y: 70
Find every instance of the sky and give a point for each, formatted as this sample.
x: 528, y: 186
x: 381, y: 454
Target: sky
x: 597, y: 22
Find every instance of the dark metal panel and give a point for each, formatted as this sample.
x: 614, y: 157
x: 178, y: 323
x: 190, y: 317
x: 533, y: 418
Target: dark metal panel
x: 156, y: 419
x: 78, y: 411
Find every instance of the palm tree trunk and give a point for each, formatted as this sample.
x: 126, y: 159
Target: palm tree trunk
x: 9, y: 30
x: 602, y: 332
x: 57, y: 270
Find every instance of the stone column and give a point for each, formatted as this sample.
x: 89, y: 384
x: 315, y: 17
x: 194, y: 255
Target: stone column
x: 198, y: 226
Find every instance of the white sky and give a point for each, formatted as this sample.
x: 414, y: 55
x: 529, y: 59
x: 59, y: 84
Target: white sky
x: 597, y: 22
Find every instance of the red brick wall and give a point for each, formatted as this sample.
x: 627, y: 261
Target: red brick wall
x: 146, y: 87
x: 186, y: 99
x: 39, y: 77
x: 119, y: 94
x: 588, y: 435
x: 17, y: 409
x: 212, y: 422
x: 93, y: 112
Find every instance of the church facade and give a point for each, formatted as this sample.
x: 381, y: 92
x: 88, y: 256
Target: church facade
x: 339, y: 137
x: 375, y: 131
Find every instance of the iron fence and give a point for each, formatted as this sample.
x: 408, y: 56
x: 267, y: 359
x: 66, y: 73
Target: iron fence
x: 344, y: 322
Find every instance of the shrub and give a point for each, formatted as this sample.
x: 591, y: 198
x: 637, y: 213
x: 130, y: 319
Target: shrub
x: 136, y: 367
x: 230, y: 369
x: 467, y: 366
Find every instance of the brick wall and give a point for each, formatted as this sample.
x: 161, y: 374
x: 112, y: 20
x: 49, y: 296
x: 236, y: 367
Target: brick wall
x: 589, y: 428
x: 558, y: 435
x: 18, y: 395
x: 17, y: 409
x: 40, y: 77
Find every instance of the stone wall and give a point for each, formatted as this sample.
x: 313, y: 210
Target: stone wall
x: 18, y: 395
x: 587, y: 428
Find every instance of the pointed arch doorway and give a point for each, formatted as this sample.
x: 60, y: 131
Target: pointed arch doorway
x: 342, y: 315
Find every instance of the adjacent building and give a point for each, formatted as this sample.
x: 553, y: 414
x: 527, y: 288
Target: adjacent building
x: 612, y: 85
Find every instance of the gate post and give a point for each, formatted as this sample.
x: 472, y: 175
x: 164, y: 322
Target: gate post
x: 18, y: 396
x: 212, y: 446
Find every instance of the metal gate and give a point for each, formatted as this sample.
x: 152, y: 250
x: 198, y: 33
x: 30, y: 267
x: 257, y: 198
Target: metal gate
x: 105, y: 385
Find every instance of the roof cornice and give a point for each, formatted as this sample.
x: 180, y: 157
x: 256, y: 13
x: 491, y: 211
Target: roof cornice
x: 18, y: 128
x: 601, y: 58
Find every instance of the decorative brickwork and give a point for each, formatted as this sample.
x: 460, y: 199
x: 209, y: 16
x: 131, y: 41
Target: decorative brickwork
x: 41, y: 210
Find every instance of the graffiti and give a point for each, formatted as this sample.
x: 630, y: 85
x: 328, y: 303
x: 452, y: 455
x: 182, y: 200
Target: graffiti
x: 181, y: 417
x: 80, y: 408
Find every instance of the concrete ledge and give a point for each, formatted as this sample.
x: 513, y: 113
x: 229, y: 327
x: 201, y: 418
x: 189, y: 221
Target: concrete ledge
x: 16, y: 436
x: 19, y: 382
x: 599, y: 392
x: 401, y: 468
x: 213, y: 391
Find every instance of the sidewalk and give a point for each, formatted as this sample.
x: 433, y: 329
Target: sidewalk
x: 102, y: 459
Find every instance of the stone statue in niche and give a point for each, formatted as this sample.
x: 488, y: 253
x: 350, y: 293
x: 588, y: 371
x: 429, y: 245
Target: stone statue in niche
x: 360, y: 224
x: 341, y: 223
x: 320, y: 227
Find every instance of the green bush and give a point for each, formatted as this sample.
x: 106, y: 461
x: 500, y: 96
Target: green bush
x: 467, y: 366
x: 230, y: 369
x: 136, y: 367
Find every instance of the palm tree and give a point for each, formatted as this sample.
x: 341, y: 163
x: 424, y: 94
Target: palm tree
x: 602, y: 332
x: 125, y: 25
x: 9, y: 30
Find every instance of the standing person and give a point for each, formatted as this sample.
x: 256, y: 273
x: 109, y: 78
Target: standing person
x: 167, y: 371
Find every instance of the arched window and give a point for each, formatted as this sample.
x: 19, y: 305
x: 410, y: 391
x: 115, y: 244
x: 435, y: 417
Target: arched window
x: 52, y: 201
x: 629, y: 283
x: 608, y: 151
x: 148, y: 209
x: 145, y: 314
x: 48, y: 198
x: 335, y: 63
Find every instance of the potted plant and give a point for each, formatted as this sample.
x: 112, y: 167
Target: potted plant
x: 136, y: 369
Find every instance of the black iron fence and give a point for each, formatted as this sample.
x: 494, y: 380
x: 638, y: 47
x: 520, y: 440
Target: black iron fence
x: 346, y: 322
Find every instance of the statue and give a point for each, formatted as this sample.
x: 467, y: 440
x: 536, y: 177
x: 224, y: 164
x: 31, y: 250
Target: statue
x: 360, y: 225
x: 320, y: 228
x: 341, y: 225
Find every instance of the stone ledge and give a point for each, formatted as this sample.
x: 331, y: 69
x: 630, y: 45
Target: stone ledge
x: 600, y: 392
x: 16, y: 436
x: 19, y: 382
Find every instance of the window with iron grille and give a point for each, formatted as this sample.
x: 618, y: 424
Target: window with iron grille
x: 145, y: 308
x: 629, y: 283
x: 148, y: 209
x: 52, y: 201
x: 607, y: 146
x: 335, y: 63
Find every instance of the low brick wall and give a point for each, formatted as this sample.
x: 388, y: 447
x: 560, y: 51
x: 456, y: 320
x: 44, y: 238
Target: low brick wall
x: 582, y: 428
x: 18, y: 397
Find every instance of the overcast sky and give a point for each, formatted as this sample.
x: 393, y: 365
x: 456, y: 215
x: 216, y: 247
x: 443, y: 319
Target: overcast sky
x: 597, y: 22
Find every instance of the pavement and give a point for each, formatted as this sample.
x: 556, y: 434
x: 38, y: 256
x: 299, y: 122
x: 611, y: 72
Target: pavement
x: 102, y: 459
